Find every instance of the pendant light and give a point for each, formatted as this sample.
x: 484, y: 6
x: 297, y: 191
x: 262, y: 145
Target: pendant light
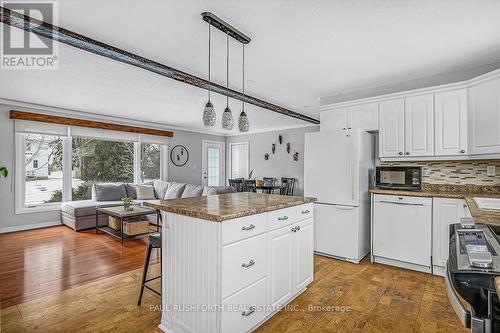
x: 209, y: 115
x: 243, y: 120
x: 227, y: 116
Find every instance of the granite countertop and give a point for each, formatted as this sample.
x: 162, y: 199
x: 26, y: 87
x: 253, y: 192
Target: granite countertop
x: 466, y: 192
x: 224, y: 207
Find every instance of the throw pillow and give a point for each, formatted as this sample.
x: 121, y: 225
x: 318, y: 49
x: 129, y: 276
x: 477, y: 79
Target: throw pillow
x: 145, y: 192
x: 208, y: 191
x: 160, y: 188
x: 109, y: 192
x: 174, y: 190
x: 192, y: 190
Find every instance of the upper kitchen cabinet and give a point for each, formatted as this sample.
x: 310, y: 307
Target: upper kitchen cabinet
x: 485, y: 118
x: 363, y: 116
x: 419, y: 125
x: 392, y: 123
x: 450, y: 119
x: 332, y: 120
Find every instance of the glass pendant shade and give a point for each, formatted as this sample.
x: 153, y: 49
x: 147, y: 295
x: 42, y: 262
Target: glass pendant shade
x: 209, y: 115
x: 227, y: 119
x: 243, y: 122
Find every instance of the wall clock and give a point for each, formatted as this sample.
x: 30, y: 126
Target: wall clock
x: 179, y: 155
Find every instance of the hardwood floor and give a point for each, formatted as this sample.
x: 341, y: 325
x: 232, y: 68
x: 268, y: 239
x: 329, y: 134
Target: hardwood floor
x: 42, y: 262
x: 362, y: 298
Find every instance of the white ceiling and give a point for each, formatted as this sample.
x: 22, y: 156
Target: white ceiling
x: 300, y: 50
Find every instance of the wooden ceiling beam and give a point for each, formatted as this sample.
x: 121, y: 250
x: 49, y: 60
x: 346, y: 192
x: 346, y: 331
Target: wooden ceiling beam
x: 45, y: 118
x: 67, y: 37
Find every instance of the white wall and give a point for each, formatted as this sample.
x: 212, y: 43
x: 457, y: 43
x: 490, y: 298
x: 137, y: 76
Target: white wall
x: 280, y: 164
x: 9, y: 221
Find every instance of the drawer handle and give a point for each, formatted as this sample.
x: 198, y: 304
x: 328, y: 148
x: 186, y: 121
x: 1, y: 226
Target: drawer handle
x: 250, y: 227
x: 283, y: 218
x: 249, y: 312
x: 250, y: 264
x: 307, y: 211
x: 295, y: 229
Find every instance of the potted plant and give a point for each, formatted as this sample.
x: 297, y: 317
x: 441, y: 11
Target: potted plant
x: 127, y: 203
x: 4, y: 172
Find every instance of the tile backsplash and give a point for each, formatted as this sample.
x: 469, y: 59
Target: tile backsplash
x: 455, y: 172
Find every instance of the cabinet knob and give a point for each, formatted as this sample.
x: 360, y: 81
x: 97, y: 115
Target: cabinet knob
x: 283, y: 218
x: 349, y: 128
x: 400, y: 153
x: 344, y: 128
x: 465, y: 206
x: 462, y: 151
x: 249, y: 312
x: 250, y: 227
x: 407, y: 153
x: 294, y: 229
x: 250, y: 264
x: 307, y: 211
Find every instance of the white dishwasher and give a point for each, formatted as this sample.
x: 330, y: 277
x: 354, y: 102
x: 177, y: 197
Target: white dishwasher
x: 402, y: 231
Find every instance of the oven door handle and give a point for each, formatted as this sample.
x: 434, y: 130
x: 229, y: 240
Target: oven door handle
x: 462, y: 313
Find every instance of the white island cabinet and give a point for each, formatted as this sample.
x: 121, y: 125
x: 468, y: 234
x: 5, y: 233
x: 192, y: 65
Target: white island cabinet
x: 225, y: 273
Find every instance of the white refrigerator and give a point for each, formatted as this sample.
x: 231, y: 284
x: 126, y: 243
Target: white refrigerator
x: 337, y: 167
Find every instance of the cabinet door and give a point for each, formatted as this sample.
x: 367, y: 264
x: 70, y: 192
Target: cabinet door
x: 280, y: 265
x: 450, y: 123
x: 391, y: 134
x: 485, y: 118
x: 303, y: 257
x: 364, y: 116
x: 419, y: 125
x: 333, y: 120
x: 444, y: 213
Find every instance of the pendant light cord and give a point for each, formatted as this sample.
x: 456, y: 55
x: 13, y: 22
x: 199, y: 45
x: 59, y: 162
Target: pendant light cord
x: 227, y: 70
x: 243, y: 101
x: 209, y: 62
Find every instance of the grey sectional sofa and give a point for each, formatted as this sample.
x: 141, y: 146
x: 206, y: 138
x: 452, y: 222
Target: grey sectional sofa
x: 80, y: 215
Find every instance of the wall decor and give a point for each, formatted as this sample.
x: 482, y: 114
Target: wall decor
x: 288, y: 147
x: 280, y: 139
x: 273, y: 148
x: 179, y: 155
x: 266, y: 156
x: 296, y: 156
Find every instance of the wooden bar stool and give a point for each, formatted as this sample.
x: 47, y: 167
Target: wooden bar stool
x: 154, y: 242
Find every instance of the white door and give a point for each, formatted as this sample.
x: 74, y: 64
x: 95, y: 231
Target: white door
x: 304, y: 248
x: 364, y: 116
x: 331, y: 167
x: 485, y: 118
x: 333, y: 120
x: 213, y: 163
x: 451, y: 123
x: 280, y: 265
x: 444, y: 212
x: 336, y: 231
x: 419, y: 125
x: 239, y: 160
x: 392, y: 123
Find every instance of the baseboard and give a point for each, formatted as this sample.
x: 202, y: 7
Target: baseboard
x: 30, y: 226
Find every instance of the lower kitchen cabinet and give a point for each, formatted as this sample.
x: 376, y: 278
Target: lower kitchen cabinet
x: 444, y: 212
x: 290, y: 261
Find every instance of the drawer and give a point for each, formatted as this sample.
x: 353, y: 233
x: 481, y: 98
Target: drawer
x: 243, y: 263
x: 245, y: 227
x: 286, y: 216
x: 245, y: 309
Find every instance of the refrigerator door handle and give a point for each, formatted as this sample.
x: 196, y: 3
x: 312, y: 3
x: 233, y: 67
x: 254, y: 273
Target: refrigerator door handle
x: 344, y: 207
x: 351, y: 167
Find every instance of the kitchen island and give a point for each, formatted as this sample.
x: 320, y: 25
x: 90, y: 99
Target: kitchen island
x: 231, y: 261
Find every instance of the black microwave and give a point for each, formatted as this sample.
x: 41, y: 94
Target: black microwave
x: 399, y: 178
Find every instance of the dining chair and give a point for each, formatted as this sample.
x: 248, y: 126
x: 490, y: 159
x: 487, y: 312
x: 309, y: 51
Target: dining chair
x: 249, y: 185
x: 269, y: 180
x: 287, y: 185
x: 237, y: 184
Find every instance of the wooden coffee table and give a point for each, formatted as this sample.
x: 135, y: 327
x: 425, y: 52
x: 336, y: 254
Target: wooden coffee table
x: 124, y: 215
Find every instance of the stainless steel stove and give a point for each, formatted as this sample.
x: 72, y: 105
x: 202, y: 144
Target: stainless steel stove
x: 473, y: 264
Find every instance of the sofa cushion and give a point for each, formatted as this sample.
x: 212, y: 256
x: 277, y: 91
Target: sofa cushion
x: 160, y: 188
x: 109, y: 192
x: 84, y: 207
x: 174, y: 190
x: 192, y: 190
x: 145, y: 192
x: 211, y: 190
x: 131, y: 191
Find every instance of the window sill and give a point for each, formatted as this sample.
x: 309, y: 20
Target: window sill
x: 39, y: 209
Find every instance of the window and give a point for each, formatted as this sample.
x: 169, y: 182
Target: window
x: 213, y: 166
x: 99, y: 161
x: 150, y: 162
x: 57, y: 163
x: 43, y: 179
